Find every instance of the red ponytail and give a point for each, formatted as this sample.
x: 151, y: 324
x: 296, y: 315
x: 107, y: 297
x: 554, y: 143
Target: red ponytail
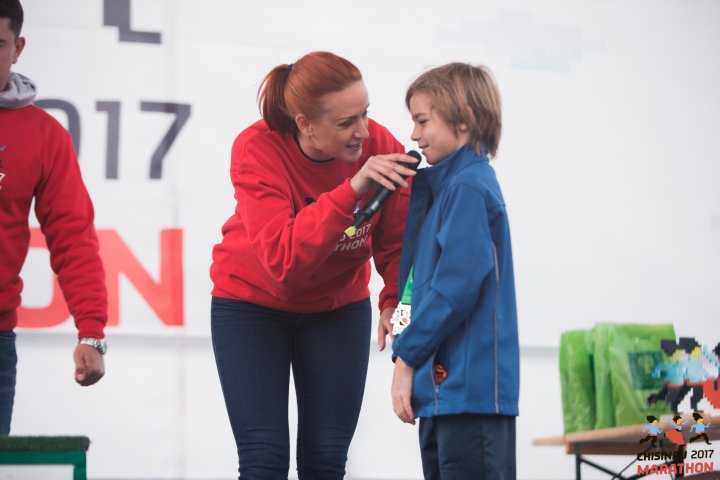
x: 271, y: 100
x: 297, y: 88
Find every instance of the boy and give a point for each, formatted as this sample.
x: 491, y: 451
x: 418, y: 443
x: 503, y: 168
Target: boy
x: 457, y: 361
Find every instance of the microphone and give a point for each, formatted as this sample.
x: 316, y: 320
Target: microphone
x: 377, y: 200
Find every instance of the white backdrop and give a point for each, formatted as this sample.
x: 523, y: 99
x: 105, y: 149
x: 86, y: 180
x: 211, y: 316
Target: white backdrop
x: 608, y: 162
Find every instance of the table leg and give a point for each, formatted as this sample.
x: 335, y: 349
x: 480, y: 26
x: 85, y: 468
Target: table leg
x: 578, y: 462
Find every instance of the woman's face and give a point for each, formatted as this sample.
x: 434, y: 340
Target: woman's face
x: 342, y: 127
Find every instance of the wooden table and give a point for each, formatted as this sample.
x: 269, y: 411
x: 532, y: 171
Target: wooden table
x: 625, y: 441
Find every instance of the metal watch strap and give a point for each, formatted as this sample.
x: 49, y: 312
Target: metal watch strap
x: 99, y: 344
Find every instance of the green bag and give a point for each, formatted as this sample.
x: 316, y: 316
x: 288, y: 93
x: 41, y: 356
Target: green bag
x: 576, y: 380
x: 625, y: 357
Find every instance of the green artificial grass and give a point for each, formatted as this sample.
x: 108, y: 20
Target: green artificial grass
x: 44, y: 444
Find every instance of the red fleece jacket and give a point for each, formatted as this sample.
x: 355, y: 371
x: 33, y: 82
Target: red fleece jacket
x: 37, y: 160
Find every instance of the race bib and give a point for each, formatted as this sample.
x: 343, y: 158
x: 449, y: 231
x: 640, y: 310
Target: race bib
x: 400, y: 318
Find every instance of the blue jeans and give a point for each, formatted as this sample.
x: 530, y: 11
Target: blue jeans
x: 8, y: 369
x: 468, y: 446
x: 255, y: 348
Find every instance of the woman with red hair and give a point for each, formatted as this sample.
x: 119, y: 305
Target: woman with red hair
x: 290, y: 288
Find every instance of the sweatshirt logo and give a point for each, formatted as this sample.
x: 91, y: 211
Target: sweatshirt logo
x: 2, y: 175
x: 356, y: 241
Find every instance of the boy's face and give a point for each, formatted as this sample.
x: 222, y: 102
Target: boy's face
x: 435, y: 137
x: 10, y: 49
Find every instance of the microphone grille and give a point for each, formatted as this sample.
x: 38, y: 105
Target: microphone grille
x: 415, y: 155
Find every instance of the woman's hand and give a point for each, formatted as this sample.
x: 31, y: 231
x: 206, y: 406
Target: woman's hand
x: 385, y: 170
x: 402, y: 391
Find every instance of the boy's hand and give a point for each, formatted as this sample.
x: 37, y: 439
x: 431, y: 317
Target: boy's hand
x: 402, y: 391
x: 385, y: 327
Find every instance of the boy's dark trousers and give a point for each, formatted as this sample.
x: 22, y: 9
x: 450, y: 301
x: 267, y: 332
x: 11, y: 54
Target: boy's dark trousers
x: 468, y: 446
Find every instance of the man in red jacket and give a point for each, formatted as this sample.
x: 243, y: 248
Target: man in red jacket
x: 38, y: 161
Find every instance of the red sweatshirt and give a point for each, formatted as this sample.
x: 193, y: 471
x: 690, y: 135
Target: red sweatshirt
x: 284, y: 247
x: 37, y: 159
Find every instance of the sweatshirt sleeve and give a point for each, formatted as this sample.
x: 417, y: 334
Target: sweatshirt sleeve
x: 466, y: 259
x: 65, y: 212
x: 290, y: 245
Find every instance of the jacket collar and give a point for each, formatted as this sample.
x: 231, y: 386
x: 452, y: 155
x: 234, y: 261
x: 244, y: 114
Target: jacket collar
x: 439, y: 175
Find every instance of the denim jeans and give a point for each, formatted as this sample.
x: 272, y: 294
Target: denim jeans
x: 468, y: 446
x: 8, y: 369
x: 255, y: 347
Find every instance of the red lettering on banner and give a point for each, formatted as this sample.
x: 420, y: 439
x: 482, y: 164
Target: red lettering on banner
x: 56, y: 312
x: 165, y: 297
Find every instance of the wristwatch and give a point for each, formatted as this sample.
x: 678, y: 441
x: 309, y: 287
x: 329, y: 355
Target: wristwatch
x: 98, y: 343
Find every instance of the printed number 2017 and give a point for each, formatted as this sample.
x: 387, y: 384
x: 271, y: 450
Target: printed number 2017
x: 112, y: 108
x: 702, y: 453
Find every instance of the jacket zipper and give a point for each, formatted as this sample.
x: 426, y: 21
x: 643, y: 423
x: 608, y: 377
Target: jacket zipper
x: 436, y: 387
x: 495, y: 329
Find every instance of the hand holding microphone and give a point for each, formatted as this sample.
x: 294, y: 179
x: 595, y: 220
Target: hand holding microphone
x: 389, y: 174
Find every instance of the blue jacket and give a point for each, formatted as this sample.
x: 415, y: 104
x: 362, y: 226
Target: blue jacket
x: 463, y: 313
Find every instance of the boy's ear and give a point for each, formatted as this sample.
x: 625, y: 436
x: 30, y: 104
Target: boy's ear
x: 462, y: 131
x: 19, y: 46
x: 463, y: 127
x: 470, y: 113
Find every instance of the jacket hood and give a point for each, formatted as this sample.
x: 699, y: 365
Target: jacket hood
x: 21, y: 92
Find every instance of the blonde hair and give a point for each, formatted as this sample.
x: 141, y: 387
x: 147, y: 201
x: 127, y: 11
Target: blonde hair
x: 462, y: 93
